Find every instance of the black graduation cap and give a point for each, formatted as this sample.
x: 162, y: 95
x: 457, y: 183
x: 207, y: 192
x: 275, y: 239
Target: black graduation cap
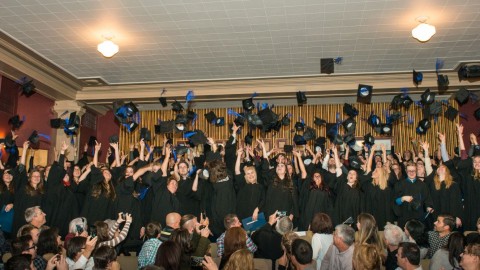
x: 442, y: 82
x: 319, y: 121
x: 145, y: 134
x: 220, y: 121
x: 254, y: 120
x: 287, y: 148
x: 165, y: 127
x: 210, y: 116
x: 427, y: 97
x: 163, y: 101
x: 417, y: 77
x: 320, y: 141
x: 92, y: 141
x: 451, y: 113
x: 355, y: 162
x: 386, y: 129
x: 27, y: 87
x: 394, y: 117
x: 191, y: 115
x: 248, y: 138
x: 369, y: 139
x: 72, y: 123
x: 396, y: 102
x: 56, y: 122
x: 364, y: 93
x: 286, y: 120
x: 331, y: 130
x: 477, y: 114
x: 309, y: 134
x: 327, y: 66
x: 269, y: 118
x: 373, y: 120
x: 301, y: 98
x: 337, y: 139
x: 8, y: 141
x: 277, y: 126
x: 181, y: 149
x: 15, y: 122
x: 407, y: 101
x: 423, y: 126
x: 34, y: 137
x: 462, y: 95
x: 299, y: 140
x: 435, y: 108
x: 196, y: 137
x: 349, y: 110
x: 180, y: 121
x: 240, y: 120
x: 349, y: 139
x: 177, y: 106
x: 349, y: 125
x: 113, y: 139
x: 248, y: 104
x: 299, y: 126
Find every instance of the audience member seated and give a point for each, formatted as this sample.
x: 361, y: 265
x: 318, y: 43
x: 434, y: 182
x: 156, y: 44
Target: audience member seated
x: 339, y: 255
x: 473, y: 236
x: 77, y: 227
x: 408, y: 256
x: 25, y: 245
x: 286, y: 260
x: 105, y: 258
x: 35, y: 216
x: 49, y: 243
x: 106, y: 234
x: 269, y: 239
x: 322, y: 239
x: 415, y: 232
x: 231, y: 221
x: 29, y: 229
x: 393, y: 236
x: 302, y: 255
x: 169, y: 255
x: 235, y: 239
x: 366, y: 257
x: 439, y: 238
x: 173, y: 222
x: 199, y: 233
x: 184, y: 238
x: 471, y: 257
x: 149, y: 249
x: 448, y: 257
x: 20, y: 262
x: 79, y: 251
x: 368, y: 232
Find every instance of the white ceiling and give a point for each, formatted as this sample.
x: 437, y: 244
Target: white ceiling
x: 176, y: 40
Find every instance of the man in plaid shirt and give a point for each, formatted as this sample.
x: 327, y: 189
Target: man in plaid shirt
x: 230, y: 221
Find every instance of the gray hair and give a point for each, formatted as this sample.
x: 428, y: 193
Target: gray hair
x: 346, y: 233
x: 80, y: 221
x: 30, y: 213
x: 284, y: 225
x: 393, y: 234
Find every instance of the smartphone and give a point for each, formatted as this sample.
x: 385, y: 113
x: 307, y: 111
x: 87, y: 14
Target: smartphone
x: 93, y: 232
x: 281, y: 214
x: 196, y: 261
x: 79, y: 229
x: 124, y: 216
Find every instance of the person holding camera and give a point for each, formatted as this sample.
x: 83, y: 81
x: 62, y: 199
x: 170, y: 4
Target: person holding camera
x: 110, y: 236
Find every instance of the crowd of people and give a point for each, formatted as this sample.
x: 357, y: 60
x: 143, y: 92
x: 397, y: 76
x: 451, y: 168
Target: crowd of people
x: 169, y: 205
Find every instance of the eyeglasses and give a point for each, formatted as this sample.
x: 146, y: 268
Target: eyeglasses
x: 32, y: 247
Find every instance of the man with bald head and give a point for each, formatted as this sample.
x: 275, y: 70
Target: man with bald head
x: 173, y: 222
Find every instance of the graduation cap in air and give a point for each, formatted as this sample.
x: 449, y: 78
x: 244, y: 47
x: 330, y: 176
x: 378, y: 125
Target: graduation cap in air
x: 196, y: 137
x: 240, y: 120
x: 177, y: 107
x: 368, y: 139
x: 35, y: 137
x: 442, y: 82
x: 181, y: 122
x: 26, y: 86
x: 319, y: 122
x: 163, y: 101
x: 145, y: 134
x: 299, y: 140
x: 269, y: 119
x: 327, y: 65
x: 15, y: 122
x: 309, y: 134
x: 417, y: 77
x: 165, y: 127
x: 210, y: 116
x: 71, y: 124
x: 337, y: 139
x: 299, y: 126
x: 349, y: 125
x: 286, y: 120
x: 113, y: 139
x: 332, y: 130
x: 92, y: 141
x: 462, y: 95
x: 435, y: 108
x: 320, y: 142
x: 8, y: 141
x: 349, y: 139
x: 355, y: 162
x: 349, y: 110
x: 451, y: 113
x: 277, y: 126
x: 428, y: 97
x: 373, y: 120
x: 423, y: 126
x: 248, y: 138
x: 220, y: 121
x: 181, y: 150
x: 364, y: 93
x: 287, y: 148
x: 477, y: 114
x: 401, y: 100
x: 56, y: 122
x: 386, y: 129
x: 248, y: 104
x: 301, y: 98
x: 394, y: 117
x: 254, y: 120
x: 191, y: 115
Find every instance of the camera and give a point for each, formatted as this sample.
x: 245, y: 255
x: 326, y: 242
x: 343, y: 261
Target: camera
x: 196, y: 261
x: 79, y: 229
x: 93, y: 232
x: 281, y: 214
x: 124, y: 216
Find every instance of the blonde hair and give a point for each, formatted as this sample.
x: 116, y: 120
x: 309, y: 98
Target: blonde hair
x: 366, y: 257
x: 250, y: 168
x: 368, y: 233
x: 240, y: 259
x: 382, y: 179
x: 476, y: 173
x: 448, y: 178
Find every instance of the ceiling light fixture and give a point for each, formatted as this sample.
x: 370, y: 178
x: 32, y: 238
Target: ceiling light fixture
x: 424, y: 31
x: 107, y: 48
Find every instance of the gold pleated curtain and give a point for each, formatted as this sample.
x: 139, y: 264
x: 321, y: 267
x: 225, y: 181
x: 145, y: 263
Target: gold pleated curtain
x: 402, y: 135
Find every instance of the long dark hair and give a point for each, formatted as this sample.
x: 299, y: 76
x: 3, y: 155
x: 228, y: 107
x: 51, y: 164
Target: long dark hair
x: 322, y: 186
x: 182, y: 237
x: 3, y: 186
x: 416, y: 229
x: 32, y: 191
x: 286, y: 182
x: 455, y: 246
x: 169, y: 255
x: 47, y: 242
x: 217, y: 170
x: 104, y: 188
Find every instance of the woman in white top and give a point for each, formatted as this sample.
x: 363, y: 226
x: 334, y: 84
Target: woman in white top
x: 322, y: 228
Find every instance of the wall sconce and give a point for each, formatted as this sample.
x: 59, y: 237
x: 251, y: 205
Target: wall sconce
x: 107, y: 48
x: 424, y: 31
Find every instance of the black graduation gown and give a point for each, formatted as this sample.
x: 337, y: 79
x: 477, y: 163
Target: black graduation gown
x: 378, y: 202
x: 223, y: 203
x: 189, y: 200
x: 164, y: 202
x: 249, y: 197
x: 314, y: 200
x: 471, y: 193
x: 80, y: 191
x: 153, y: 181
x: 59, y: 202
x: 280, y: 198
x: 415, y: 209
x: 125, y: 202
x: 348, y: 200
x: 97, y: 208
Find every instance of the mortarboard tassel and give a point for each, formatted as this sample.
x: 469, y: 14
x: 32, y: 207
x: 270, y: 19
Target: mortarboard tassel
x: 338, y: 60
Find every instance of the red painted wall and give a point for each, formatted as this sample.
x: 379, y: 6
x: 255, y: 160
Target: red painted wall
x: 9, y: 92
x: 470, y: 125
x: 106, y: 127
